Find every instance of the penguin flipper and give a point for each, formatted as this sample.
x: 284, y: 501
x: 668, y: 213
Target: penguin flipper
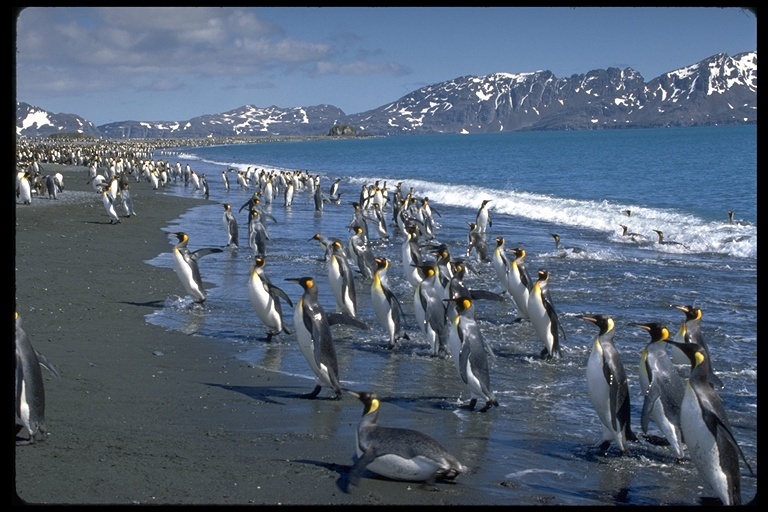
x: 353, y: 475
x: 204, y: 252
x: 279, y: 292
x: 47, y: 365
x: 337, y: 318
x: 722, y: 428
x: 651, y: 395
x: 485, y: 295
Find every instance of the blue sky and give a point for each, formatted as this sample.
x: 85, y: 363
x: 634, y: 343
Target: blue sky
x: 171, y: 64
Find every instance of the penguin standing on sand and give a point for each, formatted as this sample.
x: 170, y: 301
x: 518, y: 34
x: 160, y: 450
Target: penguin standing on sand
x: 544, y: 317
x: 30, y: 388
x: 109, y: 205
x: 707, y: 431
x: 468, y: 350
x: 690, y: 332
x: 185, y: 264
x: 341, y: 280
x: 607, y: 385
x: 313, y: 332
x: 397, y: 453
x: 265, y: 299
x: 386, y: 305
x: 230, y: 226
x: 662, y: 388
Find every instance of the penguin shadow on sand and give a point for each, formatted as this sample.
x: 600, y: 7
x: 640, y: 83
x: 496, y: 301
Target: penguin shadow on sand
x: 270, y: 395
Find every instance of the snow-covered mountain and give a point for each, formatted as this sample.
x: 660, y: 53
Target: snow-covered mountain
x: 718, y: 90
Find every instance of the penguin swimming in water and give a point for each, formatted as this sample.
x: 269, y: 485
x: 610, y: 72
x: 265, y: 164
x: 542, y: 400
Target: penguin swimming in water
x: 662, y: 388
x: 690, y: 332
x: 607, y: 385
x: 185, y: 264
x: 562, y: 249
x: 397, y: 453
x: 707, y: 430
x: 469, y: 353
x: 265, y: 299
x: 544, y: 318
x: 30, y: 388
x: 664, y: 241
x: 386, y: 305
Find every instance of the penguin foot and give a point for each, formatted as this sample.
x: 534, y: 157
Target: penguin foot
x: 603, y: 447
x: 313, y: 393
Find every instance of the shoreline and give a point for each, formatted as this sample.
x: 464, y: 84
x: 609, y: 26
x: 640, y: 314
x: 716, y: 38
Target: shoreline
x: 141, y: 415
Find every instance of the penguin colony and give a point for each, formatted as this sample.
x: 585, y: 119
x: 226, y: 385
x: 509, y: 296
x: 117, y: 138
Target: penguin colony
x: 679, y: 385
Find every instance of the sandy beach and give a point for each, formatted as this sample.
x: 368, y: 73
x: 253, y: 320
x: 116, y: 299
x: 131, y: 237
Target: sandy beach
x: 141, y: 415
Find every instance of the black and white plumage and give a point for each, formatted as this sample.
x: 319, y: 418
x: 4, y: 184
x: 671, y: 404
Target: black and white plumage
x: 398, y: 453
x: 30, y: 388
x: 469, y: 353
x: 519, y: 282
x: 661, y: 387
x: 313, y: 332
x: 230, y: 226
x: 386, y: 305
x: 342, y: 281
x: 690, y: 332
x: 483, y: 216
x: 607, y: 385
x: 185, y: 263
x: 544, y: 317
x: 707, y: 431
x: 265, y: 299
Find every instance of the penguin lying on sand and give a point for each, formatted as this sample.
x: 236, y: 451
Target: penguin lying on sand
x: 397, y: 453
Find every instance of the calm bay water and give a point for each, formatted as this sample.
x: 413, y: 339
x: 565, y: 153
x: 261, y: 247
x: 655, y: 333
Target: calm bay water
x: 538, y: 446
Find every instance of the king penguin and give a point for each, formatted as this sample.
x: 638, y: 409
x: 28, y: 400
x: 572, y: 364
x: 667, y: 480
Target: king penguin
x: 341, y: 280
x: 313, y: 332
x: 30, y: 388
x: 520, y: 282
x: 397, y: 453
x: 185, y: 264
x: 386, y: 305
x: 607, y: 385
x: 662, y: 388
x: 707, y: 431
x: 265, y: 299
x: 544, y: 317
x: 230, y: 226
x: 690, y: 332
x: 468, y: 350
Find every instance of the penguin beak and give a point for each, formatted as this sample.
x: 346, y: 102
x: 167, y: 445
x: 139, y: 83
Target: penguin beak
x: 354, y: 393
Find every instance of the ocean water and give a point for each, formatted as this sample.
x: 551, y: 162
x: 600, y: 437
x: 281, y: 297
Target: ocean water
x: 538, y: 447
